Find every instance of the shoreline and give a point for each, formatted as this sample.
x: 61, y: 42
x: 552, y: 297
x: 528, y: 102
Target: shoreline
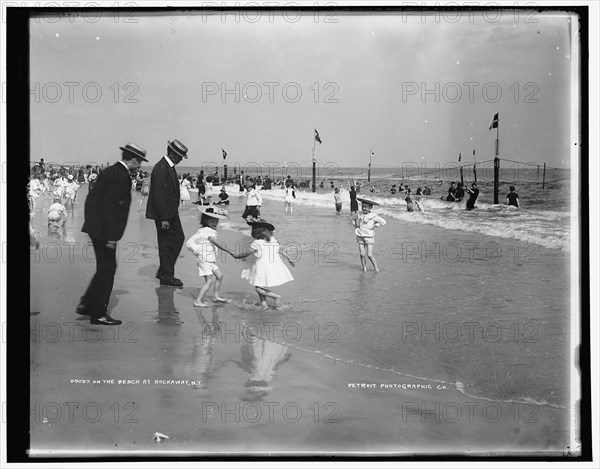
x: 221, y: 347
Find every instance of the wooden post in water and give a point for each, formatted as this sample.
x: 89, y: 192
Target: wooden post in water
x: 314, y: 168
x: 538, y: 174
x: 496, y: 178
x: 544, y: 176
x: 497, y: 163
x: 475, y: 172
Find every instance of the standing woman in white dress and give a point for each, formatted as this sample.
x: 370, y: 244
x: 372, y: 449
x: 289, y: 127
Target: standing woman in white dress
x: 184, y: 187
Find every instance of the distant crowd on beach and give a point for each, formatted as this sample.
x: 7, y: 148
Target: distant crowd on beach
x: 166, y: 192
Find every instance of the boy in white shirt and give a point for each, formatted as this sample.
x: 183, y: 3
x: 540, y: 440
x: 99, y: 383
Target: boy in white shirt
x: 203, y: 245
x: 365, y: 224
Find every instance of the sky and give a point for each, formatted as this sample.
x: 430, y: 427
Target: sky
x: 409, y: 88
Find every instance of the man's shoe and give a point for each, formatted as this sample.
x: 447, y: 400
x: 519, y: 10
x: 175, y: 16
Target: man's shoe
x: 83, y: 310
x: 172, y: 282
x: 105, y: 320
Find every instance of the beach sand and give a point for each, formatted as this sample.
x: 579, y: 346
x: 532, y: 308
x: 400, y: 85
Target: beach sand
x: 459, y: 345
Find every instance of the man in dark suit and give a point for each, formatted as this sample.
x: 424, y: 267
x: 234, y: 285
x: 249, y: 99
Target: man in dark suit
x: 163, y: 208
x: 106, y: 212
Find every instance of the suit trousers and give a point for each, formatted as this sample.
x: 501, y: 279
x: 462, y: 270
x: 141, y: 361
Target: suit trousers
x: 170, y: 243
x: 98, y: 293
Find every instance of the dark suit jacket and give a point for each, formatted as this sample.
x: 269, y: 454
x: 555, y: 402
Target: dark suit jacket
x: 107, y: 204
x: 164, y: 197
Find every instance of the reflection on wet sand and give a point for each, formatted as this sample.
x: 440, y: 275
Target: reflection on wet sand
x: 201, y: 361
x: 167, y: 314
x: 55, y: 231
x: 261, y: 358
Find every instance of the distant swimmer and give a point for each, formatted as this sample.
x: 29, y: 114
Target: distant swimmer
x: 419, y: 192
x: 393, y: 189
x: 460, y: 192
x: 512, y: 198
x: 409, y: 202
x: 451, y: 197
x: 473, y: 194
x: 353, y: 202
x: 427, y: 191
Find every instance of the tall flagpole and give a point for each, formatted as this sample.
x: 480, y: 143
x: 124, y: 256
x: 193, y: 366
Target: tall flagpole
x: 497, y: 162
x: 369, y: 172
x: 314, y: 168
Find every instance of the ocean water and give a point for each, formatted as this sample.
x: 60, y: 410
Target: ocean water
x: 543, y: 219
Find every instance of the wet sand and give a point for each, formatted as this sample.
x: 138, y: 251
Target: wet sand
x: 325, y: 375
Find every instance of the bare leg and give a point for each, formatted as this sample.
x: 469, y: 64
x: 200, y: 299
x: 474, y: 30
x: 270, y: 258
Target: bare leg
x: 268, y: 293
x: 203, y: 290
x: 218, y: 279
x: 371, y: 257
x: 363, y: 259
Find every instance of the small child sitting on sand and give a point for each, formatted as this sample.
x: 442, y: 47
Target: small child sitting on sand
x: 57, y: 214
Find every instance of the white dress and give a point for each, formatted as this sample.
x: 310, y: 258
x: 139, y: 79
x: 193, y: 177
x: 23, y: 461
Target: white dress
x: 268, y: 269
x: 183, y: 189
x: 289, y: 197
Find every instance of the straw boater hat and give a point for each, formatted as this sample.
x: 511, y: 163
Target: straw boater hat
x: 261, y: 224
x: 135, y: 150
x: 212, y: 212
x: 366, y: 201
x: 178, y: 148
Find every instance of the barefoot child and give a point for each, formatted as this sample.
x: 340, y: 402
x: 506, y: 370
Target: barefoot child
x: 57, y: 214
x: 337, y: 197
x: 268, y: 270
x: 203, y: 244
x: 365, y: 224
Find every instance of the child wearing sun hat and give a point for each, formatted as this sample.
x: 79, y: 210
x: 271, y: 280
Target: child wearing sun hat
x: 202, y: 244
x: 267, y: 270
x: 365, y: 224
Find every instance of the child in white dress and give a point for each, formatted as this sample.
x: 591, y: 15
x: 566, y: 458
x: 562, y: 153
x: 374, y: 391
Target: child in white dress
x: 202, y: 245
x: 70, y: 191
x: 57, y: 214
x: 184, y: 192
x: 268, y: 270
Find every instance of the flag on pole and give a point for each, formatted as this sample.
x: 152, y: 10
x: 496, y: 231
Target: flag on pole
x: 317, y: 138
x: 224, y: 153
x: 494, y: 122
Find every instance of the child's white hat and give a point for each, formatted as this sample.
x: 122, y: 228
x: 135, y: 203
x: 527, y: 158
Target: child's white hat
x: 366, y: 201
x: 214, y: 213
